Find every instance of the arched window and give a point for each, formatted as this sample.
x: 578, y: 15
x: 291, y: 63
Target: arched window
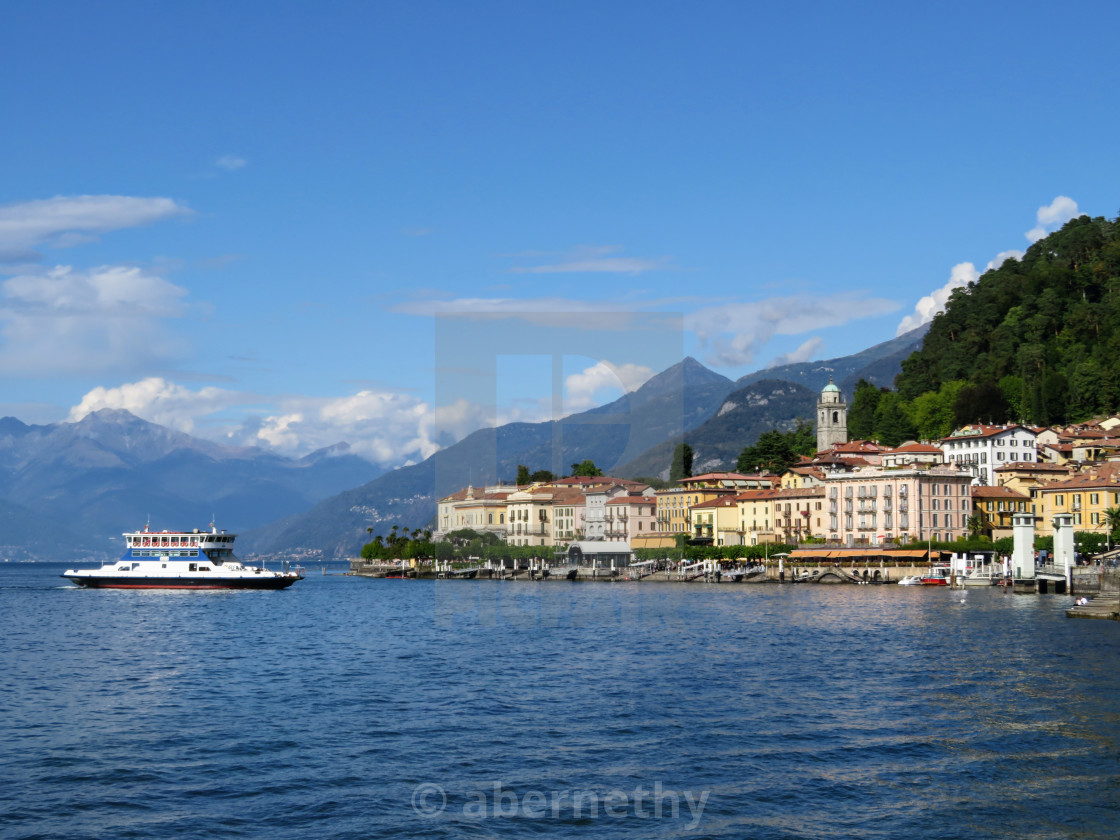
x: 489, y: 519
x: 836, y: 417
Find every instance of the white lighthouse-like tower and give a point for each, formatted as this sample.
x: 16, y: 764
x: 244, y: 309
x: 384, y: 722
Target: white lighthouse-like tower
x: 832, y: 417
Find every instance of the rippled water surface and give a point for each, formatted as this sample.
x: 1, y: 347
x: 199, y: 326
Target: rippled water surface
x: 353, y: 708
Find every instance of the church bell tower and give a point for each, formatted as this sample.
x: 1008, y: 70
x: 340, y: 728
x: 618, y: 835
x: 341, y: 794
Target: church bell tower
x: 832, y: 417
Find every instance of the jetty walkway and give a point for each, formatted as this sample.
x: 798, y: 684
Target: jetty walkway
x: 1106, y: 604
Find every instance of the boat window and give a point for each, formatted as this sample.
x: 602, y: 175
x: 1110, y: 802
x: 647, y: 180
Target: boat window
x: 124, y: 568
x: 204, y: 568
x: 193, y: 567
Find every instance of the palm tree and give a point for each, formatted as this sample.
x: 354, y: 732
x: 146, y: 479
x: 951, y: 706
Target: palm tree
x: 1112, y: 517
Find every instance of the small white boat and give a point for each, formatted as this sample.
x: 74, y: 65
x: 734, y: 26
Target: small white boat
x: 911, y: 580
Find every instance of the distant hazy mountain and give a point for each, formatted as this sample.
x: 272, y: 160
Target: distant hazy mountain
x: 879, y: 365
x: 670, y: 403
x: 744, y: 415
x: 84, y: 483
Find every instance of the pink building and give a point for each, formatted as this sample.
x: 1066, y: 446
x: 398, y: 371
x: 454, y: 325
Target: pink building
x: 871, y: 505
x: 629, y: 516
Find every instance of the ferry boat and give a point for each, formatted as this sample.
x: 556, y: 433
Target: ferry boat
x: 181, y: 560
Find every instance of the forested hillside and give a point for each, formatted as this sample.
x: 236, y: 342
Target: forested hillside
x: 1036, y: 340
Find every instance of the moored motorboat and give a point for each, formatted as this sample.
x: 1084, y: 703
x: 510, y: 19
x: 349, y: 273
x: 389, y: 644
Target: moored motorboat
x: 982, y: 577
x: 936, y: 576
x: 181, y: 560
x: 911, y: 580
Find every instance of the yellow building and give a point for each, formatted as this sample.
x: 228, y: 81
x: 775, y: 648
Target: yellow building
x: 1024, y: 476
x: 758, y: 516
x: 480, y: 509
x: 716, y: 520
x: 530, y: 517
x: 995, y: 506
x: 673, y: 505
x: 1085, y: 497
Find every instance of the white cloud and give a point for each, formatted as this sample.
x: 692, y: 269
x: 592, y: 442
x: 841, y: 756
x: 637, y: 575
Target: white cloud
x: 64, y: 221
x: 580, y: 389
x: 1002, y: 257
x: 807, y: 351
x: 64, y: 320
x: 596, y: 259
x: 384, y: 427
x: 231, y: 163
x: 735, y: 332
x: 961, y: 275
x: 159, y: 401
x: 1052, y: 216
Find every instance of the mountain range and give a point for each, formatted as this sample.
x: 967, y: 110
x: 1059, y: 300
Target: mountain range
x: 72, y: 488
x: 634, y: 436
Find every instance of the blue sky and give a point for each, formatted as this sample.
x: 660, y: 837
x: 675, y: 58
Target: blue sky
x: 265, y: 222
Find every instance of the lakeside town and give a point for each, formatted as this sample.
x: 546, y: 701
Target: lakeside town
x: 852, y: 493
x: 854, y: 512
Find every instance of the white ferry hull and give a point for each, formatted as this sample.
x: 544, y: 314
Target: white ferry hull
x: 263, y: 581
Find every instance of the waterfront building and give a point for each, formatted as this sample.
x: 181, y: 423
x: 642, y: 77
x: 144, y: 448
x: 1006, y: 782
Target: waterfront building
x: 530, y: 516
x: 979, y: 449
x: 995, y: 506
x: 673, y: 504
x: 594, y: 525
x: 480, y: 509
x: 568, y: 514
x: 760, y: 516
x: 631, y: 516
x: 874, y: 505
x: 797, y: 513
x: 1085, y: 498
x: 717, y: 521
x: 832, y: 417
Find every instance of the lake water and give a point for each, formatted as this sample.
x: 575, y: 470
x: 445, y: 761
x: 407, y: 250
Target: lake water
x: 354, y: 708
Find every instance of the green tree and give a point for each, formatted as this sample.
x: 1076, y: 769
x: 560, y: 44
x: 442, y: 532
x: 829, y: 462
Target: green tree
x: 682, y: 463
x: 861, y: 415
x: 586, y: 468
x: 543, y: 476
x: 1112, y: 517
x: 771, y: 453
x: 803, y: 439
x: 892, y: 423
x: 982, y: 403
x: 523, y: 477
x: 976, y: 525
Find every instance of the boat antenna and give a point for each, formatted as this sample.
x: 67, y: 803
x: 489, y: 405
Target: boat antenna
x: 148, y: 523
